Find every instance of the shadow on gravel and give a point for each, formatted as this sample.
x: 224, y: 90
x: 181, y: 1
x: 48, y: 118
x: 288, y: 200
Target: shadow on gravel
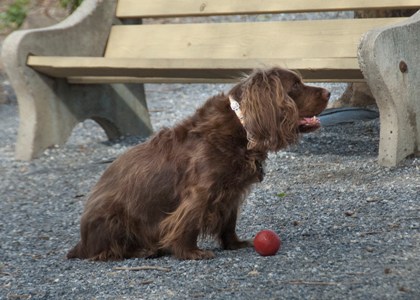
x: 353, y: 139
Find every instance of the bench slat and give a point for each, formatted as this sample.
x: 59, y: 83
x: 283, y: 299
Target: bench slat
x: 125, y: 79
x: 120, y: 79
x: 178, y: 70
x: 292, y: 39
x: 177, y: 8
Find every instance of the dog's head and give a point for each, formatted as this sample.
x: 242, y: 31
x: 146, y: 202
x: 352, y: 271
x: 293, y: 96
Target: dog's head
x: 276, y: 105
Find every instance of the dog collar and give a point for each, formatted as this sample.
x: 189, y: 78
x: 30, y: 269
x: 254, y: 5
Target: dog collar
x: 234, y: 105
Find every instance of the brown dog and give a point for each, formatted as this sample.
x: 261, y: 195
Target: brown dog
x: 190, y: 180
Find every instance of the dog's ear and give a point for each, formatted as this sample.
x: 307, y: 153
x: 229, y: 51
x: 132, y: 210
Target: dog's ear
x: 270, y: 115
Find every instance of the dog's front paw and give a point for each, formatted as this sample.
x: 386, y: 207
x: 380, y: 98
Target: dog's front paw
x: 237, y: 244
x: 196, y: 254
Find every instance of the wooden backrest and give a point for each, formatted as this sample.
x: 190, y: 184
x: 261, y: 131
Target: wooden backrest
x: 326, y: 38
x: 255, y: 40
x: 178, y: 8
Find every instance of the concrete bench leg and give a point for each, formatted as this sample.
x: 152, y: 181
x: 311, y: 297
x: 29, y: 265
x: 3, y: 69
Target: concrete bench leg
x: 50, y: 108
x: 389, y: 60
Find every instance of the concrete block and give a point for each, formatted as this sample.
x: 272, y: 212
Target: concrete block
x: 49, y: 108
x: 389, y: 60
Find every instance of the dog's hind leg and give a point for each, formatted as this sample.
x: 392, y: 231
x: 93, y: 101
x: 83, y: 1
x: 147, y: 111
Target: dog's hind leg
x: 76, y: 252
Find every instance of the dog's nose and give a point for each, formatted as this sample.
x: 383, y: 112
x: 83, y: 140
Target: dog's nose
x: 326, y: 94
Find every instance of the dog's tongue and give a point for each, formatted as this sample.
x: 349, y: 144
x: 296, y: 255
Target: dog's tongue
x: 309, y: 124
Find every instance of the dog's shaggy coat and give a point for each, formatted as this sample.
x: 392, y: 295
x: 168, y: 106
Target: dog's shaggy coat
x: 190, y: 180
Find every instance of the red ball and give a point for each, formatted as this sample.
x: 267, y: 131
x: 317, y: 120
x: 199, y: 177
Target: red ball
x: 267, y: 242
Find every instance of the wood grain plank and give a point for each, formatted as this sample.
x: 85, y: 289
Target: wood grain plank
x: 120, y: 79
x: 293, y: 39
x: 177, y: 8
x: 179, y: 69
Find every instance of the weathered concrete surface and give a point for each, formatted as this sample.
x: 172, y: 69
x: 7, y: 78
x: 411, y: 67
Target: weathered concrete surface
x: 50, y: 108
x: 389, y: 60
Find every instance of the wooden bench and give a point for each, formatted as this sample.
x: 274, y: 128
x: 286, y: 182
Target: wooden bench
x: 90, y: 65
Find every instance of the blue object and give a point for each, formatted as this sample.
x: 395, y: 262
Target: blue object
x: 335, y: 116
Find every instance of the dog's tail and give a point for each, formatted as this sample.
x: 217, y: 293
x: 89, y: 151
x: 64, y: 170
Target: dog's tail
x: 76, y: 252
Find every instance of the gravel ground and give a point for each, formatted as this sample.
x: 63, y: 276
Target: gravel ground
x: 350, y: 228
